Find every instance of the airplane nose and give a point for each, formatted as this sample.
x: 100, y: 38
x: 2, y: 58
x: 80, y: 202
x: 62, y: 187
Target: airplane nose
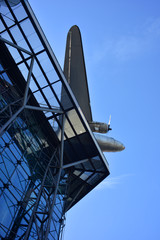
x: 120, y: 146
x: 123, y: 147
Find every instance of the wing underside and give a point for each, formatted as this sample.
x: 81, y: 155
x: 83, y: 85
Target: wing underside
x: 75, y: 71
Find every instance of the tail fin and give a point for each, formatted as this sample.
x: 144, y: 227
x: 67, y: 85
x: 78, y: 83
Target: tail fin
x: 75, y: 71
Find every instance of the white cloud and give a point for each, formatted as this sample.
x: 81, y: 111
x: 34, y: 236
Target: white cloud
x: 131, y: 45
x: 126, y: 47
x: 121, y: 49
x: 153, y: 26
x: 111, y: 182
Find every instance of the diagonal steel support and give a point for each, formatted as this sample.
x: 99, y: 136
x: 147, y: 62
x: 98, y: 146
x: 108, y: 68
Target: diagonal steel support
x: 24, y: 101
x: 10, y: 120
x: 32, y: 218
x: 58, y: 180
x: 28, y: 82
x: 54, y: 110
x: 15, y: 46
x: 13, y: 117
x: 21, y: 213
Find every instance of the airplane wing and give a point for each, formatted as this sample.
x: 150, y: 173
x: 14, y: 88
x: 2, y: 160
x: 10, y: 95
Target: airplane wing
x: 75, y: 71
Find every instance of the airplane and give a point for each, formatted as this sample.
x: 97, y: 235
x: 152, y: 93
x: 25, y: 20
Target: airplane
x: 75, y: 73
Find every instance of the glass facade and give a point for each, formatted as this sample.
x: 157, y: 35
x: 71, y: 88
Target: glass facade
x: 25, y: 152
x: 49, y: 158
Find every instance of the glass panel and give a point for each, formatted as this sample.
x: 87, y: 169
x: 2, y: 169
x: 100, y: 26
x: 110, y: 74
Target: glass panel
x: 6, y: 36
x: 24, y: 70
x: 87, y: 165
x: 52, y: 76
x: 41, y: 80
x: 50, y: 97
x: 9, y: 20
x: 46, y: 64
x: 33, y: 85
x: 40, y: 99
x: 31, y: 35
x: 96, y: 177
x: 14, y: 52
x: 97, y: 163
x: 36, y: 70
x: 76, y: 172
x: 1, y: 26
x: 85, y: 175
x: 65, y: 101
x: 19, y: 12
x: 4, y: 76
x: 75, y: 121
x: 17, y: 34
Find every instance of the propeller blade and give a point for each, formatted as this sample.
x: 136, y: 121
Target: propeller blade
x: 109, y: 123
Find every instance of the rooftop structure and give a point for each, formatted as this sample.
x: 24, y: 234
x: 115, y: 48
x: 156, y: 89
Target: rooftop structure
x: 49, y: 157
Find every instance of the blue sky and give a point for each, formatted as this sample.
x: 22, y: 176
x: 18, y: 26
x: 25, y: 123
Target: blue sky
x: 121, y: 40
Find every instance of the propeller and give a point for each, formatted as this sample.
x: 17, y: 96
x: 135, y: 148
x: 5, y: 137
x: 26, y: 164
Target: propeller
x: 109, y: 123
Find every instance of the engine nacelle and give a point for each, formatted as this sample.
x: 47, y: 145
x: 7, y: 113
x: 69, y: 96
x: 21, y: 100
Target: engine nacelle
x: 108, y: 144
x: 99, y: 127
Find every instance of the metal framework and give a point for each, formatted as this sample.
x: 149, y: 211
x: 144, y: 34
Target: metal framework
x: 25, y: 99
x: 49, y: 158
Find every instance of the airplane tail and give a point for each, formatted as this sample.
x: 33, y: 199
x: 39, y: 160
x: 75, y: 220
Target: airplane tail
x: 75, y: 71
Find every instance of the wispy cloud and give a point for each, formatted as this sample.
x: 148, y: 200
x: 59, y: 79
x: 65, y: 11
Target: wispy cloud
x: 127, y: 47
x: 121, y: 49
x: 131, y: 45
x: 153, y: 26
x: 111, y: 182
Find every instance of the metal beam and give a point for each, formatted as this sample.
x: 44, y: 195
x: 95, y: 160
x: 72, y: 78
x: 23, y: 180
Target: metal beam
x: 74, y: 164
x: 10, y: 120
x: 58, y: 180
x: 32, y: 218
x: 15, y: 45
x: 28, y: 82
x: 80, y: 190
x: 21, y: 212
x: 54, y: 110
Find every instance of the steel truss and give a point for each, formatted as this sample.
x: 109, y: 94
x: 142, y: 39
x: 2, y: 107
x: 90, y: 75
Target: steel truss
x: 24, y: 105
x: 35, y: 215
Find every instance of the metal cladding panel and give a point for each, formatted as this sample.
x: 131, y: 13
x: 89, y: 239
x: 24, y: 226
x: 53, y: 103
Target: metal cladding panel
x: 83, y: 151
